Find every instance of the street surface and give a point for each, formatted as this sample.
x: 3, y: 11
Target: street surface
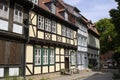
x: 103, y: 75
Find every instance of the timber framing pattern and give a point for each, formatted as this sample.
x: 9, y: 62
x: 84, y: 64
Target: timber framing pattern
x: 37, y: 37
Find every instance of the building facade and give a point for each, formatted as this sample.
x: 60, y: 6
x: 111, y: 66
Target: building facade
x: 93, y: 46
x: 82, y: 58
x: 52, y: 39
x: 13, y: 36
x: 42, y: 36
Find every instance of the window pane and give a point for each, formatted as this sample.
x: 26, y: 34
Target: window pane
x: 73, y: 59
x: 4, y: 12
x: 45, y: 57
x: 37, y: 56
x: 53, y: 26
x: 52, y: 57
x: 18, y: 14
x: 63, y: 30
x: 40, y: 22
x: 47, y: 24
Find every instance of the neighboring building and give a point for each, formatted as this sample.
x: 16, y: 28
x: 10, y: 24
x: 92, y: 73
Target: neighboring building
x: 82, y: 58
x: 13, y: 36
x: 93, y: 46
x: 82, y: 34
x: 52, y: 42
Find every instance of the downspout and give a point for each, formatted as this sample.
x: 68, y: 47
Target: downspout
x: 28, y: 39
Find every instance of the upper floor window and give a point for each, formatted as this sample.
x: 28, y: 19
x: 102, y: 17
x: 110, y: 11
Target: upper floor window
x: 40, y: 22
x: 63, y: 30
x: 66, y: 16
x: 79, y: 41
x: 47, y: 24
x: 18, y: 13
x: 53, y: 8
x: 71, y: 34
x: 68, y: 32
x: 4, y: 9
x: 54, y: 25
x: 34, y: 1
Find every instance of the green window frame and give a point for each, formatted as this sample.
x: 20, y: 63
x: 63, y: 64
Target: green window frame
x: 44, y: 56
x: 37, y: 56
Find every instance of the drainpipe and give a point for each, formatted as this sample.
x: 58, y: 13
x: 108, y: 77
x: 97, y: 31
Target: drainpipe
x: 28, y: 39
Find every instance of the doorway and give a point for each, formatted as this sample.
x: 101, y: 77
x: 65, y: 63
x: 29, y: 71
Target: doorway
x: 67, y: 63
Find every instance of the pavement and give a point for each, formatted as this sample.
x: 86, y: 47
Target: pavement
x: 105, y: 74
x: 82, y: 74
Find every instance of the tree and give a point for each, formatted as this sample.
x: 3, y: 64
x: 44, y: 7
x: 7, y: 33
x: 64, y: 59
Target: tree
x: 107, y: 34
x: 115, y: 17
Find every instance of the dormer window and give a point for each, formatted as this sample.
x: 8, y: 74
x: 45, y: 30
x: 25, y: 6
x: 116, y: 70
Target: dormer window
x: 34, y: 1
x: 64, y: 14
x: 51, y: 6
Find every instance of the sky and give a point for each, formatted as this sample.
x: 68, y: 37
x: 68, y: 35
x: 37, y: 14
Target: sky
x: 93, y: 10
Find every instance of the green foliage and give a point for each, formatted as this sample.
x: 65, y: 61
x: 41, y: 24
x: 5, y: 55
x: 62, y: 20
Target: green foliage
x: 115, y: 17
x: 107, y: 34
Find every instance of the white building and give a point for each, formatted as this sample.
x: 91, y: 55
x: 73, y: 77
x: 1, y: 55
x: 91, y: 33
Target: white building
x: 82, y: 59
x: 93, y: 46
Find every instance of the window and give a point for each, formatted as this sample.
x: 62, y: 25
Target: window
x: 54, y: 26
x: 45, y: 56
x: 47, y: 24
x: 79, y: 59
x: 73, y: 59
x: 71, y: 34
x: 37, y: 56
x: 79, y: 41
x: 52, y: 57
x: 18, y: 14
x: 63, y: 30
x: 66, y: 16
x: 40, y: 22
x: 34, y: 1
x: 53, y: 8
x: 68, y: 33
x: 4, y: 9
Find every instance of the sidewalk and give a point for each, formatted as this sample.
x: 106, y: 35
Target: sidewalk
x: 82, y: 74
x: 58, y: 76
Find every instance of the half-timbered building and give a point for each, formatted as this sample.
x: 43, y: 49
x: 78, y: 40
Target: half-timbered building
x: 40, y: 36
x: 52, y: 39
x: 13, y: 36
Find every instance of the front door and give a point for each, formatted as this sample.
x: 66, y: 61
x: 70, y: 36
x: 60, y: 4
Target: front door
x: 66, y: 62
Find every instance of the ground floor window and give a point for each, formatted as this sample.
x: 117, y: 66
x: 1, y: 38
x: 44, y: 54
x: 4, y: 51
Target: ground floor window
x: 44, y: 56
x: 73, y: 58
